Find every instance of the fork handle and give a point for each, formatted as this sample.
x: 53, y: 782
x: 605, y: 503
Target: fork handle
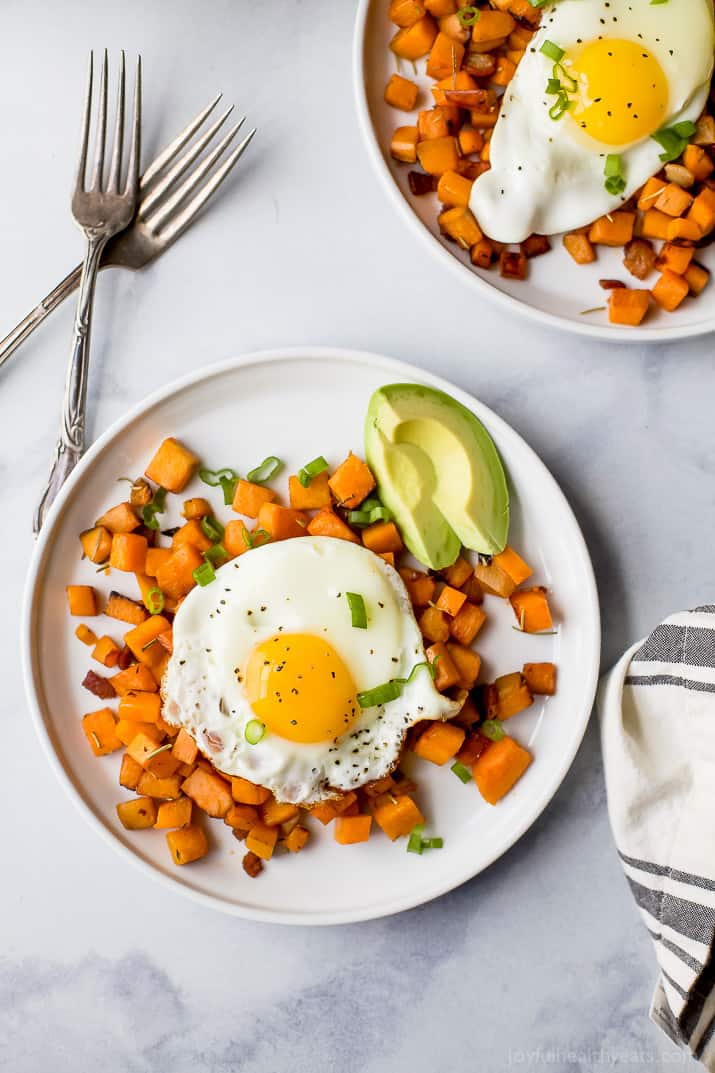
x: 71, y: 441
x: 26, y: 327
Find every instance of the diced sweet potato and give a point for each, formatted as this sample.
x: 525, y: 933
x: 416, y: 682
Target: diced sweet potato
x: 314, y: 497
x: 439, y: 743
x: 209, y: 791
x: 453, y: 189
x: 247, y: 793
x: 137, y: 814
x: 119, y: 519
x: 296, y: 839
x: 674, y: 258
x: 615, y: 229
x: 184, y: 748
x: 420, y: 587
x: 697, y: 276
x: 673, y: 200
x: 173, y: 466
x: 173, y: 814
x: 403, y: 144
x: 467, y: 662
x: 249, y: 498
x: 670, y: 291
x: 274, y: 813
x: 282, y: 523
x: 167, y: 788
x: 124, y: 609
x: 136, y: 677
x: 650, y: 193
x: 498, y: 769
x: 128, y: 552
x: 196, y: 508
x: 381, y: 537
x: 445, y: 56
x: 96, y: 543
x: 439, y: 155
x: 101, y: 733
x: 401, y: 93
x: 459, y: 223
x: 82, y: 600
x: 465, y: 626
x: 415, y: 41
x: 446, y: 674
x: 351, y: 829
x: 494, y: 579
x: 143, y: 745
x: 683, y: 230
x: 242, y: 817
x: 513, y: 695
x: 156, y: 557
x: 352, y: 482
x: 325, y: 812
x: 450, y: 601
x: 531, y: 607
x: 187, y: 844
x: 175, y: 577
x: 540, y: 678
x: 140, y: 707
x: 698, y: 163
x: 655, y: 224
x: 474, y: 745
x: 261, y: 840
x: 143, y: 640
x: 628, y: 306
x: 397, y: 816
x: 327, y: 523
x: 580, y: 248
x: 405, y: 12
x: 702, y: 211
x: 434, y: 625
x: 130, y: 772
x: 106, y: 651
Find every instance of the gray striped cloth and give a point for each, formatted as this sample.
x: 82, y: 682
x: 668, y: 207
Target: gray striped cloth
x: 657, y: 710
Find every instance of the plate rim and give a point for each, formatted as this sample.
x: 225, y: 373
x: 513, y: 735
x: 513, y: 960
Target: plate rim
x: 31, y: 595
x: 501, y: 298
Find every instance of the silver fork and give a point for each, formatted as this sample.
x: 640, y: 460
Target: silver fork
x: 101, y: 211
x: 150, y: 234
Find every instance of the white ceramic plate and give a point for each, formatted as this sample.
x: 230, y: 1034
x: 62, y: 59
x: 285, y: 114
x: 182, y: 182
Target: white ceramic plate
x: 298, y: 404
x: 557, y: 291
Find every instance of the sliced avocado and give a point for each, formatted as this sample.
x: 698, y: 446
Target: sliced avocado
x: 438, y: 471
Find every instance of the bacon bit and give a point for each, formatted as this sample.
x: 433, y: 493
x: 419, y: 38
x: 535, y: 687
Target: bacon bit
x: 126, y: 658
x: 420, y: 183
x: 99, y: 686
x: 252, y: 865
x: 610, y: 284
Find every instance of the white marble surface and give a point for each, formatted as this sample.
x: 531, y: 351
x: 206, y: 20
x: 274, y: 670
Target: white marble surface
x: 541, y: 961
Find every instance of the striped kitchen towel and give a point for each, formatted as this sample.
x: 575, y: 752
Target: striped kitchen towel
x: 657, y: 710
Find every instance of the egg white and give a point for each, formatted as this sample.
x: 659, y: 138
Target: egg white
x: 299, y: 586
x: 545, y: 177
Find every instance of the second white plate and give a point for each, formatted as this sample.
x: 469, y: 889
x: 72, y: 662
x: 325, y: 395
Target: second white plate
x: 298, y: 404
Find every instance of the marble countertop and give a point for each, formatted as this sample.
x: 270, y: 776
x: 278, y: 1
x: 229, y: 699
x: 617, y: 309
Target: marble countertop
x: 540, y: 961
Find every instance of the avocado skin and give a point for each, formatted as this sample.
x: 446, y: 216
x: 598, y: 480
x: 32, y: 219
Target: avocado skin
x: 438, y: 471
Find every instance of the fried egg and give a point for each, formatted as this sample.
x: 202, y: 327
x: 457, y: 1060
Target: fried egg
x: 629, y: 69
x: 270, y: 644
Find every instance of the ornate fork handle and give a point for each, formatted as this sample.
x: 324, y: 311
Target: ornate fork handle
x: 71, y: 441
x: 26, y: 327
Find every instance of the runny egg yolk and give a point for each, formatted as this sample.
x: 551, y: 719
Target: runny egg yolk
x: 622, y: 93
x: 298, y: 685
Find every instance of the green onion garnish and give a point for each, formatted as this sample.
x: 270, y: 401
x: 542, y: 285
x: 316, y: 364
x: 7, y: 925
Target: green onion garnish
x: 213, y: 477
x: 212, y: 529
x: 311, y: 469
x: 552, y: 51
x: 228, y: 487
x: 249, y: 539
x: 615, y: 182
x: 461, y: 771
x: 156, y: 505
x: 203, y: 575
x: 357, y: 610
x: 415, y: 842
x: 368, y: 516
x: 388, y: 691
x: 492, y: 729
x: 254, y: 731
x: 154, y: 601
x: 432, y: 843
x: 268, y: 468
x: 468, y: 15
x: 561, y: 106
x: 215, y: 554
x: 673, y: 140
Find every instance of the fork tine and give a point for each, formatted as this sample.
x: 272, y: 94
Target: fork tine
x: 174, y: 148
x: 158, y: 218
x: 175, y: 225
x: 116, y: 164
x: 101, y: 128
x: 182, y: 164
x: 82, y: 166
x: 135, y: 150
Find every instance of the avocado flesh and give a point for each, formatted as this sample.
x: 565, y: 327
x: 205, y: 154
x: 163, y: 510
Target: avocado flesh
x: 438, y: 471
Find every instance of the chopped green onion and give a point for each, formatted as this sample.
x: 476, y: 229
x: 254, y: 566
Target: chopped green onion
x: 228, y: 487
x: 215, y: 554
x: 568, y: 82
x: 468, y: 15
x: 254, y: 731
x: 553, y: 86
x: 552, y: 51
x: 432, y: 843
x: 414, y: 842
x: 388, y: 691
x: 615, y: 182
x: 212, y: 529
x: 461, y: 771
x: 311, y: 469
x: 154, y: 601
x: 357, y: 610
x: 369, y: 516
x: 492, y: 729
x: 156, y: 505
x: 203, y: 575
x: 268, y: 468
x: 561, y: 106
x: 213, y: 477
x: 249, y: 539
x: 673, y: 140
